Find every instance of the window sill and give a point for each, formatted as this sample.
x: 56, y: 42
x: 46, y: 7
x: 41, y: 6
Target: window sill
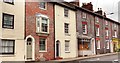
x: 66, y: 34
x: 98, y: 48
x: 84, y: 33
x: 42, y: 51
x: 67, y: 51
x: 43, y: 33
x: 97, y: 35
x: 7, y: 55
x: 43, y: 8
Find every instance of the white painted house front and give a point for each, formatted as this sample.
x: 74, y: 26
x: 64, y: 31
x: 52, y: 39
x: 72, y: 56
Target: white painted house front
x: 12, y: 15
x: 65, y: 32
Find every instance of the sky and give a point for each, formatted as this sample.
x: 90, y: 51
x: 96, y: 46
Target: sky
x: 108, y: 6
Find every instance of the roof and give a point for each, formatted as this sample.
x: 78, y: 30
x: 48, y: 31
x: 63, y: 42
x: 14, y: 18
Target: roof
x: 75, y: 7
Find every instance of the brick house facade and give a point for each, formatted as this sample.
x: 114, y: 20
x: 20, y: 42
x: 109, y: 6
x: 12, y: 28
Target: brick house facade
x: 42, y: 33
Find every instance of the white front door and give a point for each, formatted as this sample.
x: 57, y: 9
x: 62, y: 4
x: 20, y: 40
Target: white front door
x: 29, y: 50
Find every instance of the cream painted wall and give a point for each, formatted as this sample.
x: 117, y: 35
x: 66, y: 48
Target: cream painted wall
x: 59, y: 31
x: 17, y: 34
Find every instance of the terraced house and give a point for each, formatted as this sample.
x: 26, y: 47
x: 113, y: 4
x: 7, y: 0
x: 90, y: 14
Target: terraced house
x: 39, y: 31
x: 65, y: 31
x: 12, y: 13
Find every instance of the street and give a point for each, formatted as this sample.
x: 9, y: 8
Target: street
x: 103, y: 59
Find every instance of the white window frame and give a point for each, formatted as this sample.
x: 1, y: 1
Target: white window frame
x: 66, y: 12
x: 38, y: 20
x: 115, y: 25
x: 98, y: 32
x: 98, y: 44
x: 97, y: 19
x: 115, y: 34
x: 66, y: 28
x: 85, y: 28
x: 84, y: 15
x: 66, y: 51
x: 108, y: 44
x: 106, y: 22
x: 107, y: 33
x: 41, y: 7
x: 45, y: 45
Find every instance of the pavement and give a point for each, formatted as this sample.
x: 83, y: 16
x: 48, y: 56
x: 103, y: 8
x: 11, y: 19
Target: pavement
x: 81, y: 58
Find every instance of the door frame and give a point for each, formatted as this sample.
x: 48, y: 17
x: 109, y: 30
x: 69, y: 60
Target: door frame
x: 33, y: 48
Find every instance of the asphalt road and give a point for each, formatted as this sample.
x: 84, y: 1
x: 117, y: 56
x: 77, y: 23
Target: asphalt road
x: 103, y: 59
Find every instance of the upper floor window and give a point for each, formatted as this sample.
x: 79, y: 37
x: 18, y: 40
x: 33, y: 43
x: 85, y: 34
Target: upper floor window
x: 42, y: 5
x: 9, y: 1
x: 96, y: 19
x: 84, y: 28
x: 66, y: 27
x: 97, y: 31
x: 66, y: 12
x: 8, y: 21
x: 42, y: 24
x: 7, y: 46
x: 84, y: 15
x: 115, y: 33
x: 115, y: 25
x: 106, y: 22
x: 106, y: 34
x: 67, y: 46
x: 42, y: 45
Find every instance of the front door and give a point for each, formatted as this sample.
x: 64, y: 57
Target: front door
x: 29, y: 50
x: 57, y: 49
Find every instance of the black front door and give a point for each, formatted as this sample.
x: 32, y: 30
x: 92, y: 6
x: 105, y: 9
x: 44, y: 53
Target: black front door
x: 57, y: 48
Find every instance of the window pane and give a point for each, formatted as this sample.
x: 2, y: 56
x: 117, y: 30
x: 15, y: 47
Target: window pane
x: 44, y: 24
x: 10, y: 49
x: 65, y: 12
x: 42, y: 5
x: 42, y: 44
x: 8, y: 21
x: 7, y: 46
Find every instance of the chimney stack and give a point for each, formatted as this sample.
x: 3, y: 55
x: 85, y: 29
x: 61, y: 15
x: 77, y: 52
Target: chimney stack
x: 100, y: 12
x: 88, y: 6
x: 75, y: 2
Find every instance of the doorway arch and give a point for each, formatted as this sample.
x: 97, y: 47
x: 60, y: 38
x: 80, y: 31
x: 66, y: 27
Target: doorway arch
x: 30, y: 48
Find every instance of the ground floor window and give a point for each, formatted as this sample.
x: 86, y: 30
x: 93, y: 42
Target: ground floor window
x: 84, y: 44
x: 7, y: 46
x: 67, y: 46
x: 42, y: 44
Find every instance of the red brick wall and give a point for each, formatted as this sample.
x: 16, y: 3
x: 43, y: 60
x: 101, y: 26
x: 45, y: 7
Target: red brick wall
x: 31, y: 9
